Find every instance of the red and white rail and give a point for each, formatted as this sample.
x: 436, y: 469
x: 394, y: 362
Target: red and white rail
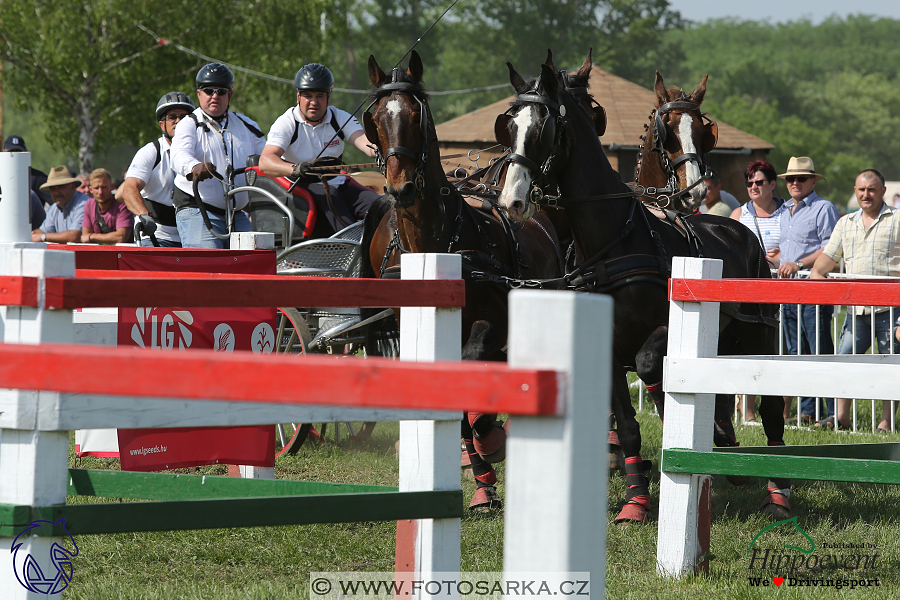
x: 694, y: 373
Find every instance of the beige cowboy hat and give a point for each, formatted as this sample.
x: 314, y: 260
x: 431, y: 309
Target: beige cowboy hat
x: 801, y: 165
x: 59, y: 176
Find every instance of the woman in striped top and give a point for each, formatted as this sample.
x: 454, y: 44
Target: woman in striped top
x: 762, y: 215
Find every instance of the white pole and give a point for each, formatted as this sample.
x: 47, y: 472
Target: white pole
x: 429, y: 450
x: 556, y: 497
x: 253, y: 240
x: 16, y: 197
x: 32, y: 462
x: 693, y: 332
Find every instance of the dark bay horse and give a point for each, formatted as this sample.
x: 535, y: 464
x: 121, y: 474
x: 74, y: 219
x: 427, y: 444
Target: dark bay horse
x: 425, y: 213
x: 628, y: 254
x: 670, y: 162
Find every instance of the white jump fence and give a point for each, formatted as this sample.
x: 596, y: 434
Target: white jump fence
x: 558, y: 378
x: 694, y: 374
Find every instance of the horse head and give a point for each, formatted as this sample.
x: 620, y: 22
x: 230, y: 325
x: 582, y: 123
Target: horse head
x: 679, y: 136
x: 533, y: 129
x: 577, y: 83
x: 399, y: 124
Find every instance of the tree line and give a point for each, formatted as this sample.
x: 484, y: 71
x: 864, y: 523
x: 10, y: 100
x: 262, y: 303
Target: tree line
x: 89, y: 73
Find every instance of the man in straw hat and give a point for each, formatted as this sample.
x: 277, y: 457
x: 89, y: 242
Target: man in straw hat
x: 806, y: 227
x: 64, y: 217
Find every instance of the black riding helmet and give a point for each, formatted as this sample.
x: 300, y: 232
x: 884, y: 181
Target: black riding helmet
x: 173, y: 100
x: 314, y: 78
x: 215, y: 74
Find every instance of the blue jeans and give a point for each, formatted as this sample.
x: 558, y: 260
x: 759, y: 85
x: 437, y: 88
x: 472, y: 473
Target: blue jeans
x: 808, y: 341
x: 194, y: 233
x: 883, y: 333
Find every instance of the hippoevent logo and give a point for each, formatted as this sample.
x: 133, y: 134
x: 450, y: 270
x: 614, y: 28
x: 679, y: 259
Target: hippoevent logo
x: 52, y: 578
x: 801, y: 566
x: 165, y: 330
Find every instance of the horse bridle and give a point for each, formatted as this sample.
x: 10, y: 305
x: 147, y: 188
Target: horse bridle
x: 550, y: 137
x: 414, y: 91
x: 668, y: 165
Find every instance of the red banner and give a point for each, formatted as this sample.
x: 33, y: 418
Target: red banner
x: 219, y: 329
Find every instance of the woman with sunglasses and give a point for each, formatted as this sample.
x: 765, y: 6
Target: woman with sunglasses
x: 762, y: 214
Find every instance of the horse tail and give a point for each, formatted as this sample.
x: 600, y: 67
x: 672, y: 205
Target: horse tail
x: 382, y: 336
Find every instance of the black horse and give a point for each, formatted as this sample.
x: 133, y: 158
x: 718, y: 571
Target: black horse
x: 425, y: 213
x: 627, y: 255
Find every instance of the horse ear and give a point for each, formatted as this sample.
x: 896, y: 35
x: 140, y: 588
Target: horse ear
x: 415, y: 69
x: 662, y: 93
x: 515, y: 79
x: 697, y: 96
x: 548, y: 81
x: 585, y: 68
x: 376, y: 75
x: 549, y: 61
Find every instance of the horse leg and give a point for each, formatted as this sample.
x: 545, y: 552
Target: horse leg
x: 485, y: 497
x: 637, y: 494
x: 762, y: 340
x: 778, y: 490
x: 649, y: 366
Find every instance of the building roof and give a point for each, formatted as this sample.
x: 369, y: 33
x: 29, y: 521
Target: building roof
x: 627, y: 105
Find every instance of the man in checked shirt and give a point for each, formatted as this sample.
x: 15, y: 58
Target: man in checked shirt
x: 869, y: 242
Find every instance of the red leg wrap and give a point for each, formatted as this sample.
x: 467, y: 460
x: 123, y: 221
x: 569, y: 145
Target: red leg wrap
x: 485, y: 499
x: 489, y: 478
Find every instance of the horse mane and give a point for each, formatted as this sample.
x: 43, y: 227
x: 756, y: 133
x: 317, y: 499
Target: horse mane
x: 399, y: 76
x: 576, y: 80
x: 677, y: 94
x: 531, y: 85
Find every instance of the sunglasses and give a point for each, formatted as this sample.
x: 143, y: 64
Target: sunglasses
x: 174, y: 118
x: 797, y: 179
x: 215, y: 91
x: 758, y: 182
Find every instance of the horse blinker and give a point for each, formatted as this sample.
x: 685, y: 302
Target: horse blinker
x: 371, y: 128
x: 501, y: 130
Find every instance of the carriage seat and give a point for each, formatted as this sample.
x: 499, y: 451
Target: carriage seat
x: 328, y: 257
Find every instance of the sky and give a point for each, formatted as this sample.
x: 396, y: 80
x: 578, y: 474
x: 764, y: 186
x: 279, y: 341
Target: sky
x: 779, y: 11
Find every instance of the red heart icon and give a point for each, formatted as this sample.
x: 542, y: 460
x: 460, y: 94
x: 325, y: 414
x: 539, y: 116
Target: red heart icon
x: 777, y: 581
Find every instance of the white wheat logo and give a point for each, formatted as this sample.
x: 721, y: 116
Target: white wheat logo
x: 163, y: 332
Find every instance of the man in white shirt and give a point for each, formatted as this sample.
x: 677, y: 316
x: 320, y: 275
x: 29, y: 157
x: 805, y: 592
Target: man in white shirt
x: 314, y: 130
x: 207, y: 145
x: 150, y: 180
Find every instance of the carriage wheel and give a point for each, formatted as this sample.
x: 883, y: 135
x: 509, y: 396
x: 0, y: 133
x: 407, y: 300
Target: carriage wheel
x: 293, y: 338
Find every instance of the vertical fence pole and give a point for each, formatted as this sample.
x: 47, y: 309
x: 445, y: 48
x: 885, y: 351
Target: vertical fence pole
x: 693, y: 332
x: 253, y: 240
x: 429, y: 450
x: 32, y: 462
x: 16, y: 194
x: 555, y: 495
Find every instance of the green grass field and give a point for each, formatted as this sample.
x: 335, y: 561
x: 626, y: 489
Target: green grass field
x: 274, y: 563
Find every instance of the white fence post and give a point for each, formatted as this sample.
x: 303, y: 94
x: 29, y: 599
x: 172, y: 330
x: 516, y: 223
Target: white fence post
x: 16, y: 204
x: 429, y: 450
x: 253, y: 240
x: 556, y: 500
x: 32, y: 462
x: 693, y: 333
